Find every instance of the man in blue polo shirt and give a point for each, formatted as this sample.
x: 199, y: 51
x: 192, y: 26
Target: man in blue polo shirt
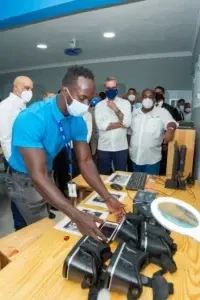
x: 39, y: 133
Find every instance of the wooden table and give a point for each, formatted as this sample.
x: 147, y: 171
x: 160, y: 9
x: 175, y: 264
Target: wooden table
x: 83, y: 186
x: 13, y: 244
x: 37, y: 272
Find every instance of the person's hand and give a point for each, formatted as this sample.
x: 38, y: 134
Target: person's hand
x: 117, y: 208
x: 86, y: 224
x: 168, y: 136
x: 112, y: 105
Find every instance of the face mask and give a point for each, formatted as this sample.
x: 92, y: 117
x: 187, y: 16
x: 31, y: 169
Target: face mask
x: 131, y: 98
x: 76, y: 108
x: 159, y: 97
x: 26, y: 96
x: 147, y: 103
x: 94, y: 101
x: 188, y: 110
x: 181, y: 107
x: 138, y: 105
x: 111, y: 93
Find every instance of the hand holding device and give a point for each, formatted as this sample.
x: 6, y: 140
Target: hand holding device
x: 117, y: 208
x: 86, y: 224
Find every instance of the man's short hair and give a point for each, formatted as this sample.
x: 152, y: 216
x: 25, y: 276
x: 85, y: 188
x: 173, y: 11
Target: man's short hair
x: 132, y: 89
x: 110, y: 79
x: 148, y: 90
x: 160, y: 88
x: 74, y: 73
x: 180, y: 100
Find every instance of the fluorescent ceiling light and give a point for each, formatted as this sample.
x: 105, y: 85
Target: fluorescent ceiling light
x: 109, y: 35
x: 42, y: 46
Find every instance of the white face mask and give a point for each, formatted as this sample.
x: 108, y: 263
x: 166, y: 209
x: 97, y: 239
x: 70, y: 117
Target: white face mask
x: 181, y: 107
x: 26, y: 96
x: 77, y: 108
x: 188, y: 110
x: 147, y: 103
x: 131, y: 98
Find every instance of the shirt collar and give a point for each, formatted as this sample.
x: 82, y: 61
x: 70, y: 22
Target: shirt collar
x: 56, y: 111
x: 18, y: 102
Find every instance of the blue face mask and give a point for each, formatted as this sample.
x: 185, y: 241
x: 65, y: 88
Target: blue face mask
x: 111, y: 93
x: 138, y: 105
x: 94, y: 102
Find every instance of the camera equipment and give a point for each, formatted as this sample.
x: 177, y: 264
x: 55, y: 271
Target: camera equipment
x: 160, y: 247
x: 109, y: 229
x: 123, y: 272
x: 123, y: 275
x: 142, y: 205
x: 85, y: 261
x: 142, y: 242
x: 128, y: 230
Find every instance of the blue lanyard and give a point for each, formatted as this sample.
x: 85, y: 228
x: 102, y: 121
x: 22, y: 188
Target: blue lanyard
x: 69, y: 149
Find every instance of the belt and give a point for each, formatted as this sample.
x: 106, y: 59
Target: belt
x: 11, y: 171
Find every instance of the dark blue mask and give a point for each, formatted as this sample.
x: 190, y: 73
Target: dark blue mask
x: 111, y: 93
x: 94, y: 101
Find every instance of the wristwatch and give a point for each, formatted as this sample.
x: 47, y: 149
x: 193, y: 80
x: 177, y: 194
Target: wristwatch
x: 117, y: 111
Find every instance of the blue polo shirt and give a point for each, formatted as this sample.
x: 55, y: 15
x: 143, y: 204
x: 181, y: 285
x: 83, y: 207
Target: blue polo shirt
x: 37, y: 127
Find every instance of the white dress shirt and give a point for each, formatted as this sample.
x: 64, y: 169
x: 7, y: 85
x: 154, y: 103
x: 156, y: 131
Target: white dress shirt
x: 147, y: 135
x: 187, y: 117
x: 9, y: 110
x: 88, y: 119
x: 115, y: 139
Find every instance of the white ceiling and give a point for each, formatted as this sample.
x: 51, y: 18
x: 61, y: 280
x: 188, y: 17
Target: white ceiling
x: 149, y: 27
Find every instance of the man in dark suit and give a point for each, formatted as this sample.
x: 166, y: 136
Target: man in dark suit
x: 160, y: 101
x: 180, y: 108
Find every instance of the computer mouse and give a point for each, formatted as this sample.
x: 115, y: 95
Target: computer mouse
x: 116, y: 187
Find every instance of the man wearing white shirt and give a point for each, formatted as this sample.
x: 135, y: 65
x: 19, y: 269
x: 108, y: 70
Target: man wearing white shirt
x: 187, y: 112
x: 113, y: 117
x: 180, y: 108
x: 10, y: 108
x: 150, y: 127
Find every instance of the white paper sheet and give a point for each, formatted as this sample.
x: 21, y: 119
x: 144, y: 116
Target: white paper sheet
x: 98, y: 201
x: 68, y: 226
x: 118, y: 179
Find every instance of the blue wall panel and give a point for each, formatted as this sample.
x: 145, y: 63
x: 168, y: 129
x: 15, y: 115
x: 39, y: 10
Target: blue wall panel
x: 22, y: 12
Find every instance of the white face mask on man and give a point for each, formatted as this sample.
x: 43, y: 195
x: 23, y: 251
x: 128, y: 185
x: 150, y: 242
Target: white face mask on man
x: 147, y: 103
x: 76, y: 108
x: 188, y: 110
x: 26, y: 96
x: 131, y: 98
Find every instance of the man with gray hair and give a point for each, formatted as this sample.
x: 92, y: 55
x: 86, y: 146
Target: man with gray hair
x: 113, y: 117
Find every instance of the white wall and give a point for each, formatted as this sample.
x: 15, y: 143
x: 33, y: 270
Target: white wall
x: 172, y: 73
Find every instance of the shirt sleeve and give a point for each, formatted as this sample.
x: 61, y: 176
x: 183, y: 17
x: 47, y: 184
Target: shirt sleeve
x: 101, y: 118
x: 6, y: 125
x: 79, y: 130
x: 28, y: 131
x: 166, y: 117
x: 88, y: 119
x: 127, y: 115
